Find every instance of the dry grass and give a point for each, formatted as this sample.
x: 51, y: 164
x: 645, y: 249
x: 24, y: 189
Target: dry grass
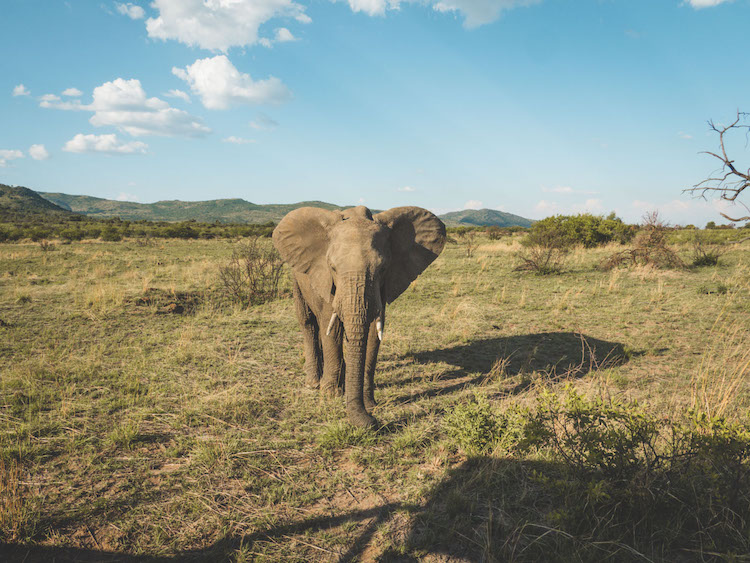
x: 186, y: 431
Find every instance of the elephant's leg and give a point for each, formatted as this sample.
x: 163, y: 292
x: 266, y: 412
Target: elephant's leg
x: 333, y: 361
x: 373, y: 345
x: 310, y: 331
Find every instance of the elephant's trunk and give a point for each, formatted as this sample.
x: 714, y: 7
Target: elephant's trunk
x: 357, y: 310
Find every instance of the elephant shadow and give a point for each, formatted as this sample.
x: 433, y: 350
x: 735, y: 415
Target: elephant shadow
x: 554, y: 353
x: 556, y: 356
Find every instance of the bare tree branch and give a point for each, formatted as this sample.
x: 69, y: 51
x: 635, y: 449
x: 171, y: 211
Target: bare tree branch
x: 730, y: 182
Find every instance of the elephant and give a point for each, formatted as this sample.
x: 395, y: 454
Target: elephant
x: 346, y: 265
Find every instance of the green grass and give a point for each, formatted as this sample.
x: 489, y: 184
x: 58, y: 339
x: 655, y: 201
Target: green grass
x: 126, y: 427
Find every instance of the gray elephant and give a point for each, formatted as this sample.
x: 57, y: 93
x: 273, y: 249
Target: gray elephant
x: 346, y: 266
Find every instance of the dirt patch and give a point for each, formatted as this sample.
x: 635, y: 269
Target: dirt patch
x: 168, y: 302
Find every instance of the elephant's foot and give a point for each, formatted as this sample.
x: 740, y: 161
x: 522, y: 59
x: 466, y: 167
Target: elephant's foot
x: 312, y: 382
x: 331, y: 391
x: 362, y: 419
x: 370, y: 403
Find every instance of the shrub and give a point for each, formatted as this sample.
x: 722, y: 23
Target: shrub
x: 544, y: 252
x: 496, y: 233
x: 110, y: 234
x: 704, y: 253
x: 473, y: 426
x: 46, y: 245
x: 584, y: 229
x: 253, y: 274
x: 182, y: 230
x: 616, y: 475
x: 649, y: 248
x: 38, y: 233
x: 542, y: 260
x: 72, y: 233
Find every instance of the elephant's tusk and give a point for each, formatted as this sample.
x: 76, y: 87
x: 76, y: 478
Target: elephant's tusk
x: 330, y: 324
x: 379, y: 327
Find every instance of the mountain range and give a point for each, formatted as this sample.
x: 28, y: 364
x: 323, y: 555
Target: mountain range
x: 19, y: 200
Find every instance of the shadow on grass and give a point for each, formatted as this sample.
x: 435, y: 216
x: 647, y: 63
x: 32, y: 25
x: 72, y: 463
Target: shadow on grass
x: 557, y: 355
x: 497, y: 509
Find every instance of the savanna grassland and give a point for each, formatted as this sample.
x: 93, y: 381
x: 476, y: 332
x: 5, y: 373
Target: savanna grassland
x: 144, y: 415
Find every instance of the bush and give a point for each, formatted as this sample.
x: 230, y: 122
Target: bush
x: 476, y: 429
x: 545, y: 251
x: 253, y: 274
x: 496, y: 233
x: 584, y: 229
x: 649, y: 248
x: 72, y: 233
x: 182, y: 230
x: 542, y: 260
x: 110, y: 234
x: 473, y: 427
x: 616, y: 475
x: 38, y: 233
x: 704, y: 253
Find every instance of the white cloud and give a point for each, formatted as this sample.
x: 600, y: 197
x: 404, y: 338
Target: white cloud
x: 178, y: 94
x: 238, y: 140
x: 373, y: 7
x: 21, y: 90
x: 683, y: 135
x: 108, y: 144
x: 123, y: 196
x: 480, y: 12
x: 406, y: 189
x: 698, y: 4
x: 545, y: 208
x: 220, y: 85
x: 72, y: 92
x: 123, y: 104
x: 264, y: 122
x: 283, y: 35
x: 7, y: 155
x: 218, y: 25
x: 473, y: 204
x: 589, y: 206
x: 133, y: 11
x: 38, y: 152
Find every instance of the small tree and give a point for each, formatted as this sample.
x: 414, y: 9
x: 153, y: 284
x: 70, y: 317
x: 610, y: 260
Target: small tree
x: 729, y: 181
x: 253, y: 274
x: 649, y: 247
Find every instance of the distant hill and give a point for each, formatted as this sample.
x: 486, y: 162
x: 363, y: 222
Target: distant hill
x: 484, y: 217
x: 224, y: 210
x: 17, y: 201
x: 233, y: 210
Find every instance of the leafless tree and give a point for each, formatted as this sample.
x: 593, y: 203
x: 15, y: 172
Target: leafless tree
x: 729, y: 180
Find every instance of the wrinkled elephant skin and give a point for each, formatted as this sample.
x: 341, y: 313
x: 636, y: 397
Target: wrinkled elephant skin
x: 347, y: 265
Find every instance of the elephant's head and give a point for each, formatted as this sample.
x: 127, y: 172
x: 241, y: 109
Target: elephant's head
x: 356, y: 263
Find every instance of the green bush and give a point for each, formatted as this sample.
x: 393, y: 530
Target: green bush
x: 72, y: 233
x: 618, y: 475
x: 38, y: 233
x: 110, y: 234
x: 473, y: 426
x: 562, y: 231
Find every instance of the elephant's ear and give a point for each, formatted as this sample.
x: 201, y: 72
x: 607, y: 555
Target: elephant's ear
x: 302, y: 239
x: 417, y: 238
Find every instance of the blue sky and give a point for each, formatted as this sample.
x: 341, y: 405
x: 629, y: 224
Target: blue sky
x: 529, y: 106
